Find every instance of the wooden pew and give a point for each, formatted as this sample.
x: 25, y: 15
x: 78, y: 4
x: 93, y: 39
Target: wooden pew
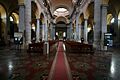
x: 35, y: 47
x: 76, y: 47
x: 38, y: 47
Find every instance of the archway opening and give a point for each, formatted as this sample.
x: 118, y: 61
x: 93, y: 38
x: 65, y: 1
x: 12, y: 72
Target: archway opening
x: 2, y: 23
x: 61, y: 30
x: 119, y: 21
x: 14, y: 21
x: 42, y: 33
x: 110, y: 23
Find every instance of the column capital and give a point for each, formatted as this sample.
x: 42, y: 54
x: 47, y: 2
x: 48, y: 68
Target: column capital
x: 21, y: 5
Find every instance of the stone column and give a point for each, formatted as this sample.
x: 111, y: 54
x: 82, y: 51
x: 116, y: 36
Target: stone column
x: 68, y: 31
x: 46, y: 43
x: 52, y: 31
x: 82, y: 31
x: 46, y: 32
x: 28, y: 21
x: 97, y: 28
x: 21, y: 18
x: 85, y: 31
x: 119, y: 29
x: 38, y: 31
x: 71, y: 32
x: 5, y: 35
x: 74, y: 31
x: 22, y: 22
x: 43, y: 32
x: 79, y: 32
x: 116, y: 31
x: 77, y: 28
x: 104, y: 26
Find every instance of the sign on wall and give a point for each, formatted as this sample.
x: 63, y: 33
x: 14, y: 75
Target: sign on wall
x: 18, y: 38
x: 108, y: 39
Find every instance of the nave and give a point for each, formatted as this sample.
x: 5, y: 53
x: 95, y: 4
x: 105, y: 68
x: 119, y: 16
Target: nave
x: 59, y: 64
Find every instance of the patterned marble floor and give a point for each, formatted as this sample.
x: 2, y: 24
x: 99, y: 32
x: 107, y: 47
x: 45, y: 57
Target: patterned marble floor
x: 18, y: 65
x: 100, y: 66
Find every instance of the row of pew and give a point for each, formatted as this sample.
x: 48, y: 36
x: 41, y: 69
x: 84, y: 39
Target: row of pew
x: 38, y: 47
x: 77, y: 47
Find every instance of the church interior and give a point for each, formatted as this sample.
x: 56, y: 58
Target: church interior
x: 59, y: 39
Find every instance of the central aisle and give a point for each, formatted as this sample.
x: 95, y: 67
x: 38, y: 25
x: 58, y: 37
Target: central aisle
x: 60, y: 69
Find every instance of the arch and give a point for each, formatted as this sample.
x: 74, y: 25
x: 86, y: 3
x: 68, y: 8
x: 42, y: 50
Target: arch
x: 110, y: 26
x: 109, y: 18
x: 61, y: 22
x: 119, y: 20
x: 33, y: 9
x: 61, y: 18
x: 3, y: 13
x: 111, y: 8
x: 90, y: 9
x: 61, y: 6
x: 15, y: 17
x: 119, y: 15
x: 13, y: 23
x: 42, y: 20
x: 2, y: 21
x: 81, y: 19
x: 39, y: 10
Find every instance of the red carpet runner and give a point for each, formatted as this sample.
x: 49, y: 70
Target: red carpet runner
x: 60, y: 69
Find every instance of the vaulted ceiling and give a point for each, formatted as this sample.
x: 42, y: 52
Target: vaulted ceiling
x: 63, y: 7
x: 68, y: 4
